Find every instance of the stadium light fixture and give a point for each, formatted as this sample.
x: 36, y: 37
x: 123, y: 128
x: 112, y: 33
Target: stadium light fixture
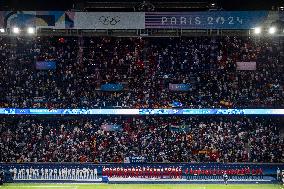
x: 16, y: 30
x: 272, y: 30
x: 2, y: 30
x: 257, y: 30
x: 31, y: 30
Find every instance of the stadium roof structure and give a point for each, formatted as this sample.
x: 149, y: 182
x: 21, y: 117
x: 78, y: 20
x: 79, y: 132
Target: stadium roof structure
x: 120, y: 5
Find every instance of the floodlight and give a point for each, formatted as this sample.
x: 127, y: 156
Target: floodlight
x: 257, y: 30
x: 272, y: 30
x: 31, y: 30
x: 16, y: 30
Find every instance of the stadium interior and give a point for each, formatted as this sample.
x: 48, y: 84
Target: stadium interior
x: 141, y: 94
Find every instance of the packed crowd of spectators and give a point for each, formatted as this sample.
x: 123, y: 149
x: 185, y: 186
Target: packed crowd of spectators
x: 145, y: 67
x: 155, y: 138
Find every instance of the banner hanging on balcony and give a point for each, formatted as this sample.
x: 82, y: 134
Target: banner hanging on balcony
x: 109, y: 20
x: 140, y: 20
x: 112, y: 87
x: 179, y: 87
x: 246, y: 65
x: 45, y: 65
x: 211, y: 19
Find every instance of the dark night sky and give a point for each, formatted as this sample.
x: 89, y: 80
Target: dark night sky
x: 67, y: 4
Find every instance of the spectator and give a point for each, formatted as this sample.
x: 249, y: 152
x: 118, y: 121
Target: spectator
x: 158, y: 139
x: 145, y: 67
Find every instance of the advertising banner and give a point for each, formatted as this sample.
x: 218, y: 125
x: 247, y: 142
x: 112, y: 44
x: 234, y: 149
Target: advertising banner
x: 140, y: 20
x: 109, y: 20
x: 35, y: 111
x: 210, y: 19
